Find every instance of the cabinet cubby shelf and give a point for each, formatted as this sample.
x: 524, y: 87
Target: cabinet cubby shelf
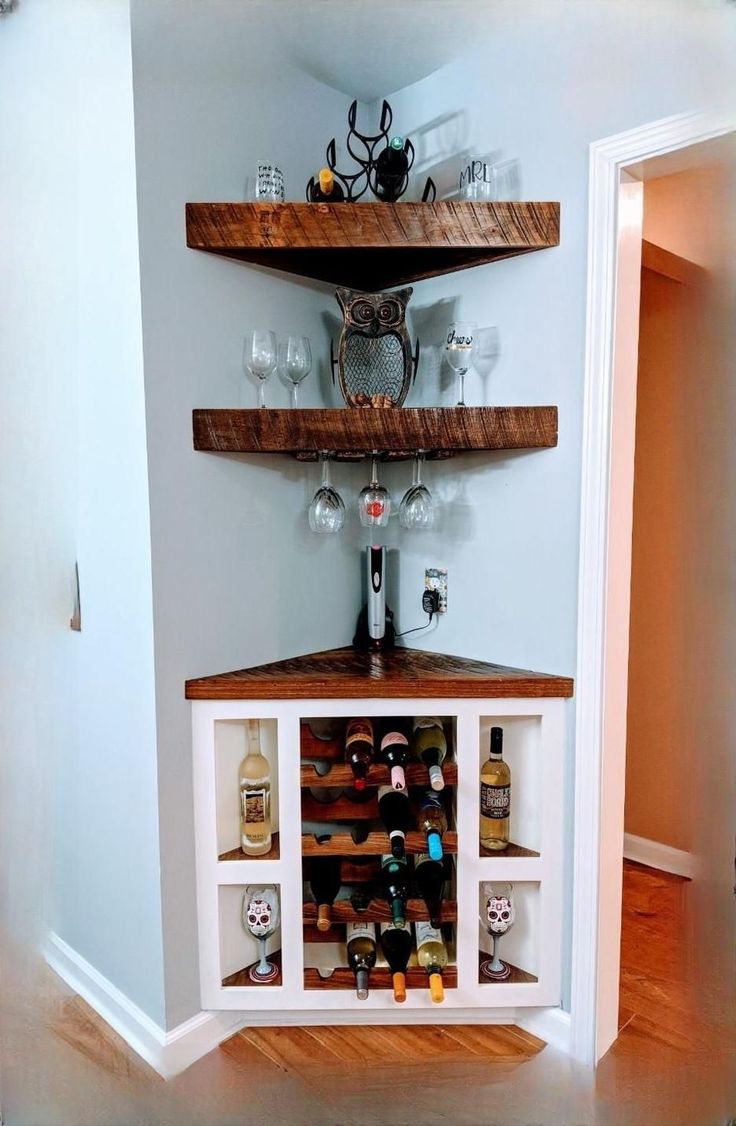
x: 238, y: 854
x: 375, y: 844
x: 370, y: 246
x: 240, y: 977
x: 351, y: 434
x: 516, y: 977
x: 343, y: 978
x: 342, y: 911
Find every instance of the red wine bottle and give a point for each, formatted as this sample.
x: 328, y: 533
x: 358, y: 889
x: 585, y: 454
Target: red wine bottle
x: 359, y: 749
x: 394, y: 877
x: 395, y: 812
x: 324, y: 882
x: 430, y: 878
x: 394, y: 753
x: 397, y: 946
x: 361, y: 947
x: 391, y: 169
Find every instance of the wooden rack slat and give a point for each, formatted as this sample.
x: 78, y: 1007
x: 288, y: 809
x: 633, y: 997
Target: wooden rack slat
x: 342, y: 977
x: 375, y: 844
x: 341, y: 775
x: 342, y: 809
x: 379, y: 911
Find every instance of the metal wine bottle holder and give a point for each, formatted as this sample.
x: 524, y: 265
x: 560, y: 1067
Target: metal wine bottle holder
x: 365, y: 151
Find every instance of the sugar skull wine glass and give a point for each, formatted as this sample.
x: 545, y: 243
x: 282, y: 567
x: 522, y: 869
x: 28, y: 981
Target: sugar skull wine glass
x: 459, y: 351
x: 295, y: 362
x: 327, y: 511
x: 261, y: 917
x: 259, y: 358
x: 417, y: 507
x: 498, y: 919
x: 374, y: 502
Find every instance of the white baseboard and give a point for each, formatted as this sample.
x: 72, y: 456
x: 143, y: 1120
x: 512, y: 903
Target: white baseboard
x: 661, y: 856
x: 168, y: 1053
x: 552, y: 1025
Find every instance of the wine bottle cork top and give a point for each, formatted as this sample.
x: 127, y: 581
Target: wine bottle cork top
x: 323, y: 917
x: 326, y: 179
x: 436, y: 989
x: 399, y: 980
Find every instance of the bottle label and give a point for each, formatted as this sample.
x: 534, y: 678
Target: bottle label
x: 360, y: 930
x: 393, y: 738
x: 495, y: 801
x: 426, y: 721
x: 253, y: 806
x: 359, y: 731
x: 427, y: 933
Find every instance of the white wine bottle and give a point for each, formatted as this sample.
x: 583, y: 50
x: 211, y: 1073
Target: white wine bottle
x: 429, y: 744
x: 495, y: 796
x: 361, y: 943
x: 432, y: 954
x: 255, y: 796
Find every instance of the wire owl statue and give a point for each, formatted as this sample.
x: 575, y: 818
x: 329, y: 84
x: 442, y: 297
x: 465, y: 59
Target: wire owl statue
x: 375, y: 363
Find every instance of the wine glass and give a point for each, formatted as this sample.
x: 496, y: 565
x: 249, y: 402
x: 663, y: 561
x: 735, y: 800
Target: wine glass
x: 259, y: 358
x: 260, y: 916
x: 417, y: 507
x: 327, y: 511
x: 459, y: 351
x: 295, y: 362
x: 374, y: 502
x: 499, y: 918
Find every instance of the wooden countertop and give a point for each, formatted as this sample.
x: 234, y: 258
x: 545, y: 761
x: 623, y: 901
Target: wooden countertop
x: 395, y: 674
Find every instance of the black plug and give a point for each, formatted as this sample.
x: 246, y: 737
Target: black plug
x: 431, y: 602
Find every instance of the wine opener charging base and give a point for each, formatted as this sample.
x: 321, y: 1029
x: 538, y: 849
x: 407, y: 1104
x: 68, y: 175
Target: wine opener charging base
x: 375, y: 631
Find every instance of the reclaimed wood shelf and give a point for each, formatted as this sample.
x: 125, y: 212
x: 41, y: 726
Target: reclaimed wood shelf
x: 370, y: 246
x: 416, y: 774
x: 375, y: 844
x: 511, y: 850
x: 238, y: 854
x: 342, y: 911
x: 240, y: 977
x: 351, y: 434
x: 342, y: 674
x: 516, y: 977
x: 342, y: 977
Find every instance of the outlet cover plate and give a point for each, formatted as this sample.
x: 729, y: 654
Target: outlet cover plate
x: 435, y: 578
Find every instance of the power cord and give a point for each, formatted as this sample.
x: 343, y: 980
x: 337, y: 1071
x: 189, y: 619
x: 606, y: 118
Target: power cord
x: 430, y: 605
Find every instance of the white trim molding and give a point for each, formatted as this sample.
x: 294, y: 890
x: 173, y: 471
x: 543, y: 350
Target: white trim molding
x: 168, y: 1053
x: 599, y: 759
x: 661, y: 856
x: 551, y: 1025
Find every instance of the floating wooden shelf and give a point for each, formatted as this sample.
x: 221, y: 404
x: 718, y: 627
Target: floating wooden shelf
x: 380, y: 978
x: 370, y: 246
x: 416, y: 774
x: 375, y: 844
x: 343, y: 674
x: 351, y: 434
x: 240, y: 977
x: 378, y: 910
x: 516, y: 977
x: 512, y: 850
x: 238, y: 854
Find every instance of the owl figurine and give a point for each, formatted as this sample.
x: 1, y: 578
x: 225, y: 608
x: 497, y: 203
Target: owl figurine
x: 375, y: 363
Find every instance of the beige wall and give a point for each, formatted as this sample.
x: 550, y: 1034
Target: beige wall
x: 681, y: 656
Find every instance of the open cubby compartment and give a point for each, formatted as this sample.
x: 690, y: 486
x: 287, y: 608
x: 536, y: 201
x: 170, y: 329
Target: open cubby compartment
x: 231, y: 745
x: 239, y: 948
x: 522, y: 750
x: 519, y: 949
x: 322, y: 746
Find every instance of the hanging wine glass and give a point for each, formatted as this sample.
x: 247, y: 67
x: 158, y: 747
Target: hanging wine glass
x: 374, y: 502
x: 459, y: 351
x: 260, y: 916
x: 295, y: 362
x: 499, y: 917
x: 327, y: 511
x: 259, y: 358
x: 417, y: 507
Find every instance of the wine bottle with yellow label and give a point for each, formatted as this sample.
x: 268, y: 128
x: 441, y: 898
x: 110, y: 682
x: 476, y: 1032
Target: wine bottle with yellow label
x: 432, y: 954
x: 255, y: 796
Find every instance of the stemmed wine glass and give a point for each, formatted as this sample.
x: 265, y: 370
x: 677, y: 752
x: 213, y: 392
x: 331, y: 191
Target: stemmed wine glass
x: 417, y: 507
x: 260, y: 916
x: 459, y: 351
x: 295, y: 362
x: 259, y: 358
x: 499, y: 918
x: 327, y: 511
x: 374, y: 502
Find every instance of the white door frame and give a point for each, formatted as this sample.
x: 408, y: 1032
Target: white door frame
x: 605, y: 567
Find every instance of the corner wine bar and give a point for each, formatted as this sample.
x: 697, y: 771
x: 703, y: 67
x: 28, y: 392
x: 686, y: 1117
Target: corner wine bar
x: 379, y: 831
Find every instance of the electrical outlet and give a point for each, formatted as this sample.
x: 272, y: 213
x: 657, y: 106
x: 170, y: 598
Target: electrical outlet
x: 435, y: 578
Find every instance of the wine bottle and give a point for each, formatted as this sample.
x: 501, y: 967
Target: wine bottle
x: 255, y: 796
x: 394, y: 877
x: 359, y: 749
x: 394, y: 753
x: 361, y: 942
x: 395, y: 812
x: 430, y: 877
x: 432, y: 954
x: 429, y: 744
x: 324, y: 882
x: 391, y: 169
x: 495, y: 796
x: 433, y: 823
x: 326, y: 189
x: 396, y: 946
